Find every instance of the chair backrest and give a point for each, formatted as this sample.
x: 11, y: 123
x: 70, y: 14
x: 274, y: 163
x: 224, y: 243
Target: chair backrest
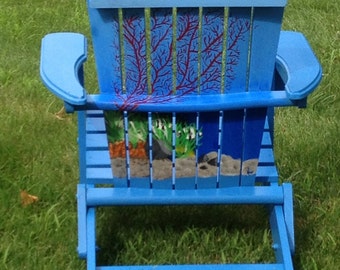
x: 160, y: 51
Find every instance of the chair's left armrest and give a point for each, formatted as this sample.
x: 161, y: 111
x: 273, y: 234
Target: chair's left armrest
x: 62, y: 56
x: 297, y: 65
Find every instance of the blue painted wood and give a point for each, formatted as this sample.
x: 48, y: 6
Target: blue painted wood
x: 238, y: 39
x: 91, y: 238
x: 161, y: 28
x: 187, y: 48
x: 82, y: 146
x: 291, y: 68
x: 211, y: 50
x: 59, y: 67
x: 261, y: 65
x: 297, y: 65
x: 134, y: 53
x: 200, y: 62
x: 82, y: 223
x: 280, y: 238
x: 93, y: 144
x: 289, y: 215
x: 264, y: 47
x: 199, y: 103
x: 236, y: 72
x: 105, y: 34
x: 101, y: 173
x: 266, y: 157
x: 221, y: 131
x: 96, y: 141
x: 138, y: 196
x: 183, y: 3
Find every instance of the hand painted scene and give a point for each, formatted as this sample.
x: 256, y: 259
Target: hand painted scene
x: 155, y: 61
x: 163, y: 146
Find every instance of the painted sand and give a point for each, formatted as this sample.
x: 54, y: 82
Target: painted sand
x: 185, y: 167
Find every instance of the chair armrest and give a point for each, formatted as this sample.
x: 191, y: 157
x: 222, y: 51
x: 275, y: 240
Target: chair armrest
x: 297, y: 65
x: 62, y: 56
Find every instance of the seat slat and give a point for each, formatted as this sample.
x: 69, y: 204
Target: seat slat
x: 99, y: 175
x: 98, y: 158
x: 266, y: 157
x: 266, y: 140
x: 97, y: 141
x: 95, y: 125
x: 266, y: 174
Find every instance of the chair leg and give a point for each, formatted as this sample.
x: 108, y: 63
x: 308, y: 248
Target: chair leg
x: 91, y: 238
x: 82, y: 221
x: 281, y: 244
x: 289, y: 214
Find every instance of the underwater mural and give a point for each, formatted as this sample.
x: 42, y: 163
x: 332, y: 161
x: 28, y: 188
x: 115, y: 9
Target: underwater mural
x: 162, y: 59
x: 155, y: 68
x: 187, y: 139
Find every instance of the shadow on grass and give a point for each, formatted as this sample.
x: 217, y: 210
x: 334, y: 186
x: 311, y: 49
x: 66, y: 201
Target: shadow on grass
x: 183, y: 234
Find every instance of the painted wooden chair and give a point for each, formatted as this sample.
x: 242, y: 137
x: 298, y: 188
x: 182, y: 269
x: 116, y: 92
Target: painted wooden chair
x: 201, y: 79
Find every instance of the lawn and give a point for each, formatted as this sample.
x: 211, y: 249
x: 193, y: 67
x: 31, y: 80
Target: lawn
x: 38, y: 154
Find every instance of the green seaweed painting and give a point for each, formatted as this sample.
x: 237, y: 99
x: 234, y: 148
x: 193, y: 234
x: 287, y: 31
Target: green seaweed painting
x: 187, y: 135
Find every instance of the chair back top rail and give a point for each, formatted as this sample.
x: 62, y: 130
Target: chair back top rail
x: 185, y: 3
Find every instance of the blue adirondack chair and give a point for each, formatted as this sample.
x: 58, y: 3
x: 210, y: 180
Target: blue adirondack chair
x: 218, y: 67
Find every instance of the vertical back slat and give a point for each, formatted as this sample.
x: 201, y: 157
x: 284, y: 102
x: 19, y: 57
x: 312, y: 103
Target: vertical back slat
x: 238, y: 38
x: 265, y: 38
x: 161, y: 52
x: 106, y: 43
x: 211, y: 50
x: 187, y: 27
x: 236, y: 72
x: 265, y: 35
x: 135, y: 52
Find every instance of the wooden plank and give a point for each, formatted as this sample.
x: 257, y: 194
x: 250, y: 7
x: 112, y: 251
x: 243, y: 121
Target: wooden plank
x: 211, y: 50
x: 182, y: 3
x: 187, y: 46
x: 105, y: 30
x: 161, y: 28
x: 95, y: 125
x: 134, y: 53
x: 261, y: 71
x: 235, y: 75
x: 96, y: 141
x: 198, y: 103
x: 98, y: 158
x: 264, y: 47
x: 238, y: 39
x: 137, y: 196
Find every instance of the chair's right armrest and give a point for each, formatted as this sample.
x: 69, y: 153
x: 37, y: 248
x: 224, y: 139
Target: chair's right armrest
x: 62, y: 56
x: 297, y: 65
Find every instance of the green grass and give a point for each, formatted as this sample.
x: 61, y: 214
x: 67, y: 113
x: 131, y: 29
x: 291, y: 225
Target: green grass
x: 38, y: 153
